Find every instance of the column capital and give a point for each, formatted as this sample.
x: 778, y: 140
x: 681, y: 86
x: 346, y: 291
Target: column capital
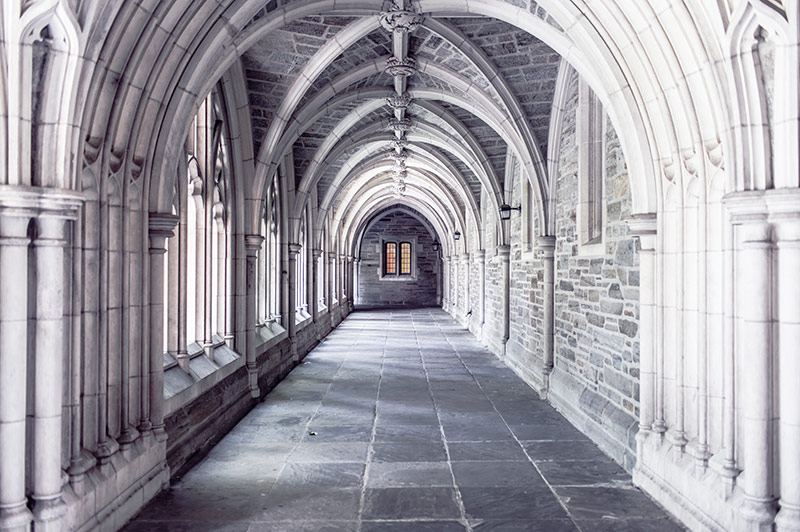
x: 160, y: 227
x: 504, y: 251
x: 316, y: 253
x: 479, y: 255
x: 464, y: 257
x: 644, y: 226
x: 294, y: 249
x: 253, y: 242
x: 161, y: 224
x: 332, y: 256
x: 546, y: 245
x: 36, y: 201
x: 754, y: 206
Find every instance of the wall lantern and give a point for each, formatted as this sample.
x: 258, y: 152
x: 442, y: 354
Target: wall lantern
x: 505, y: 211
x: 456, y: 235
x: 435, y: 245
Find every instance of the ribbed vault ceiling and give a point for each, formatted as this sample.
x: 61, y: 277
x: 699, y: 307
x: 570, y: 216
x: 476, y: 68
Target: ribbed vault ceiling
x: 467, y: 92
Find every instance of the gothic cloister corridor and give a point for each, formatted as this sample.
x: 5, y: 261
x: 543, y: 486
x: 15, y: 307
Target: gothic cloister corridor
x: 400, y: 421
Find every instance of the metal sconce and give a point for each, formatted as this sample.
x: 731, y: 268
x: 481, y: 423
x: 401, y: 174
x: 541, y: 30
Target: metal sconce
x: 456, y: 235
x: 505, y: 211
x: 435, y: 245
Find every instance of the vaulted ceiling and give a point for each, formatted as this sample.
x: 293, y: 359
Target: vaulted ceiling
x: 400, y: 106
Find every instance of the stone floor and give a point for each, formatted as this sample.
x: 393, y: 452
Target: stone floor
x: 402, y: 422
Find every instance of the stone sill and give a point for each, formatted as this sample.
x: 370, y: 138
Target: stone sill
x: 302, y: 322
x: 181, y: 387
x: 270, y: 333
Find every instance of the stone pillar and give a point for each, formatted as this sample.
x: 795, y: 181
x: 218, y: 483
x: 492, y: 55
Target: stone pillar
x: 467, y: 305
x: 160, y: 226
x: 479, y: 257
x: 456, y: 284
x: 445, y: 282
x: 350, y: 284
x: 314, y: 290
x: 291, y: 317
x: 753, y: 286
x: 788, y: 236
x: 14, y: 241
x: 252, y: 244
x: 330, y: 290
x: 49, y: 245
x: 547, y: 247
x: 221, y: 299
x: 356, y: 276
x: 504, y: 252
x: 643, y: 226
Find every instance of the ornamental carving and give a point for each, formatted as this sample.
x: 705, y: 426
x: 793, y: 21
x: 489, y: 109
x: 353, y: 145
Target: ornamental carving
x: 399, y: 101
x: 402, y: 125
x: 401, y: 67
x: 400, y: 20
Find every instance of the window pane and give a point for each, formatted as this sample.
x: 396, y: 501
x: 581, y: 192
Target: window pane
x: 405, y: 258
x: 390, y: 258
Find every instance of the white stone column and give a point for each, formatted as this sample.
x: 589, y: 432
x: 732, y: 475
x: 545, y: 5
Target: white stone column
x: 160, y: 228
x: 457, y: 285
x: 753, y: 309
x: 445, y: 282
x: 49, y: 244
x: 788, y: 269
x: 252, y: 245
x: 504, y: 252
x: 643, y: 226
x: 14, y: 241
x: 350, y: 285
x: 467, y: 280
x: 329, y: 289
x: 294, y: 249
x: 356, y: 277
x: 314, y: 290
x: 547, y: 247
x: 479, y: 257
x: 219, y: 225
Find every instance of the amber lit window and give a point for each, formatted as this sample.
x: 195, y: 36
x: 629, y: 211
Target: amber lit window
x: 405, y: 258
x: 390, y: 258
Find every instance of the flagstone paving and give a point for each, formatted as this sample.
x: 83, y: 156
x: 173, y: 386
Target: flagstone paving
x: 400, y: 421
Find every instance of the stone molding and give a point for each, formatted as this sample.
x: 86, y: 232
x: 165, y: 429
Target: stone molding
x: 36, y: 201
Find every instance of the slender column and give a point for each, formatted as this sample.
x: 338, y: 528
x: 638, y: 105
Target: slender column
x: 160, y: 225
x: 643, y: 226
x: 49, y: 245
x: 219, y: 224
x: 294, y: 249
x: 252, y: 245
x: 200, y: 262
x: 350, y: 277
x: 445, y: 282
x: 314, y: 284
x: 456, y: 285
x: 753, y: 287
x: 342, y: 278
x: 547, y: 247
x: 330, y: 288
x: 479, y: 257
x: 356, y: 277
x: 465, y: 263
x: 504, y: 252
x: 788, y: 234
x: 14, y: 241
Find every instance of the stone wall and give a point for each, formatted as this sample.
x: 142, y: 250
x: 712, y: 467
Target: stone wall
x: 595, y: 381
x: 417, y: 290
x: 524, y: 350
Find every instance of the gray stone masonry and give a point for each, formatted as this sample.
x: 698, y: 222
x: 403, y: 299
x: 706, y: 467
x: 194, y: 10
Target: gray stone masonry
x: 417, y: 290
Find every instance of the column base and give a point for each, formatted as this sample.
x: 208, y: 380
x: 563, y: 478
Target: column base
x: 788, y: 518
x: 160, y: 433
x: 47, y: 514
x: 16, y: 519
x: 252, y: 376
x: 757, y: 515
